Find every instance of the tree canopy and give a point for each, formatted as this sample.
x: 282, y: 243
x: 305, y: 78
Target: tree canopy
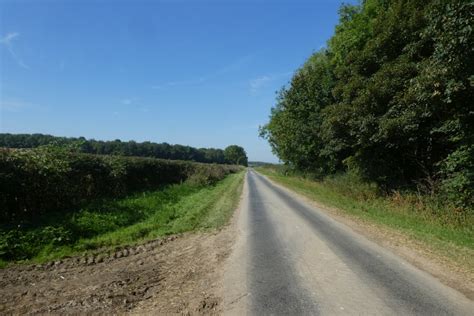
x: 236, y: 155
x: 391, y: 98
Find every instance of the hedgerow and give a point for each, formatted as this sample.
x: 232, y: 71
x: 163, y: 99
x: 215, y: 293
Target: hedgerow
x: 46, y: 180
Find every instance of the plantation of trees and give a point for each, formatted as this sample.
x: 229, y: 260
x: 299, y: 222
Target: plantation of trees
x: 390, y: 100
x: 131, y: 148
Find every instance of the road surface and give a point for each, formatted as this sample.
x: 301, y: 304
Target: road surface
x: 291, y: 258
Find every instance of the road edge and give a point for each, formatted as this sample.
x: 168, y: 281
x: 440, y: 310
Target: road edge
x: 414, y: 251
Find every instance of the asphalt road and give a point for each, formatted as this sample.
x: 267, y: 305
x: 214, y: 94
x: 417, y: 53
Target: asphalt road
x: 291, y: 258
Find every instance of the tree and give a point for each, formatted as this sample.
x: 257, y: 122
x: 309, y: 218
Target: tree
x: 390, y: 99
x: 236, y: 155
x: 295, y: 122
x: 377, y: 62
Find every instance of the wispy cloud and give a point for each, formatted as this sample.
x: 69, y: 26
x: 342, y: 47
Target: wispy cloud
x: 15, y: 105
x: 130, y: 110
x: 257, y: 83
x: 263, y: 81
x: 7, y: 41
x: 234, y: 66
x: 132, y: 104
x: 180, y: 83
x: 130, y: 101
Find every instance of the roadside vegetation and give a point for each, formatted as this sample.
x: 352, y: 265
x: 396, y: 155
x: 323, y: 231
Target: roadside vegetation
x: 420, y: 217
x: 56, y: 203
x: 386, y: 111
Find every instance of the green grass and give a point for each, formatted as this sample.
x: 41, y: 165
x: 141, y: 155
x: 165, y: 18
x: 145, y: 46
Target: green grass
x: 174, y: 209
x: 417, y: 217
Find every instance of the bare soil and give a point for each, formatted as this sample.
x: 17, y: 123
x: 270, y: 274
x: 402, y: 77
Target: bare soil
x: 178, y: 274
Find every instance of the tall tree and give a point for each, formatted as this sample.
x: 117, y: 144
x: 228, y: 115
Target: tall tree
x: 295, y: 122
x: 390, y: 99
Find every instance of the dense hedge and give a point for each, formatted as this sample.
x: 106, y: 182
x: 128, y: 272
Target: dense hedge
x: 35, y: 182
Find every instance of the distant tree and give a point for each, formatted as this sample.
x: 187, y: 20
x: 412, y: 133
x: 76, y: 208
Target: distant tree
x: 236, y: 155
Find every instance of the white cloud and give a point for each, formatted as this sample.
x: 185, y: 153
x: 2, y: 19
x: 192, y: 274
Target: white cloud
x: 263, y: 81
x: 7, y: 40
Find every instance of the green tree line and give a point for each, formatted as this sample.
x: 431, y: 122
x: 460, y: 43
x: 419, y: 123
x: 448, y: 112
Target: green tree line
x: 233, y: 154
x: 390, y: 99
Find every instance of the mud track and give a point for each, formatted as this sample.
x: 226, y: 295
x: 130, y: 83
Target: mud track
x: 179, y: 274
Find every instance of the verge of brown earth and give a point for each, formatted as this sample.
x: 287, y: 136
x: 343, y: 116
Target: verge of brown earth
x: 178, y: 274
x: 418, y: 253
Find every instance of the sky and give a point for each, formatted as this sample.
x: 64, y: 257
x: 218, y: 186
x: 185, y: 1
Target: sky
x: 198, y: 73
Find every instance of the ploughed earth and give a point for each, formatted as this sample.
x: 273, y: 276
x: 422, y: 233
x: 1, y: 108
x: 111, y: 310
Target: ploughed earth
x: 177, y: 274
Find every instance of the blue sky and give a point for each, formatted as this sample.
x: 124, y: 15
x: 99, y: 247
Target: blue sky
x: 198, y: 73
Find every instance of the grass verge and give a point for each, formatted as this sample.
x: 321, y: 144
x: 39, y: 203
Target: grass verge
x: 454, y: 241
x: 144, y: 216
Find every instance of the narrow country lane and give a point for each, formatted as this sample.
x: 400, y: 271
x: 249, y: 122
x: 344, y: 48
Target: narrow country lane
x: 292, y: 259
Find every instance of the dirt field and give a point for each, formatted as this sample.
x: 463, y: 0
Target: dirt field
x: 180, y: 274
